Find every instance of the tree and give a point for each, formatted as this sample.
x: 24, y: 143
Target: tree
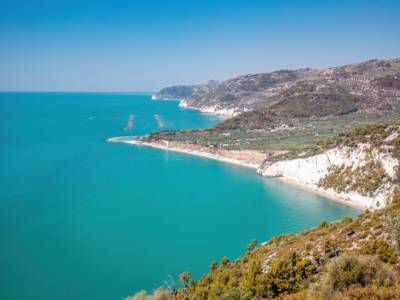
x: 252, y: 245
x: 213, y: 266
x: 224, y: 261
x: 185, y: 278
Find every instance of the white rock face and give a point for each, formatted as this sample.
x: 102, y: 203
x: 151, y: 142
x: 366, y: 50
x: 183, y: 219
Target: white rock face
x: 214, y: 109
x: 308, y: 171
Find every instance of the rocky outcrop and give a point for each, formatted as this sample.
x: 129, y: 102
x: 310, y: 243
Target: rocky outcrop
x: 311, y: 171
x: 214, y: 109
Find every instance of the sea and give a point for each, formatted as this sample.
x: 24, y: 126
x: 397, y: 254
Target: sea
x: 82, y: 218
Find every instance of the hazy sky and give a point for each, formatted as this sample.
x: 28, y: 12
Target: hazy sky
x: 133, y: 45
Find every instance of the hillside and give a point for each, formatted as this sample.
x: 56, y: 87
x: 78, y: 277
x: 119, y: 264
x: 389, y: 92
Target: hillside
x: 361, y: 166
x: 279, y: 96
x: 354, y: 259
x: 185, y: 91
x: 292, y: 109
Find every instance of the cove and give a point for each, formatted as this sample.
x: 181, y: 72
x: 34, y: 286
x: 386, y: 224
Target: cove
x: 81, y: 218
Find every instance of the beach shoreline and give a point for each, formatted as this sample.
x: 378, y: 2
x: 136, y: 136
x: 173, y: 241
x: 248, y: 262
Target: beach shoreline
x: 322, y: 193
x: 208, y: 155
x: 187, y: 151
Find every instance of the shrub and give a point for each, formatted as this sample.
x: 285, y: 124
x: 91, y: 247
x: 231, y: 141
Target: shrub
x: 395, y: 224
x: 351, y: 270
x: 373, y: 293
x: 382, y: 249
x: 332, y: 248
x: 324, y: 224
x: 303, y: 295
x: 288, y: 275
x: 159, y: 294
x: 396, y: 147
x: 365, y: 179
x: 185, y: 278
x: 224, y: 261
x: 252, y: 245
x: 213, y: 266
x: 396, y: 196
x: 354, y: 293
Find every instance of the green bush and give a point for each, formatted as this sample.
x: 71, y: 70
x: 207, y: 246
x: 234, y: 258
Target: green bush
x: 159, y: 294
x: 288, y: 275
x: 350, y: 270
x: 365, y: 179
x: 324, y: 224
x: 396, y: 196
x: 372, y: 293
x: 354, y: 293
x: 382, y: 249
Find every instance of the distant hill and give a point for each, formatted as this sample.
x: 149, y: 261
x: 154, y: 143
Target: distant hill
x: 185, y: 91
x: 277, y: 97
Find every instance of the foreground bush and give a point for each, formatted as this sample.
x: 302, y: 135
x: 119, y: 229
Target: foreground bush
x: 159, y: 294
x: 354, y: 293
x: 351, y: 270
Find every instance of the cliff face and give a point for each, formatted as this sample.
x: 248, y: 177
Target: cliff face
x: 214, y: 109
x: 311, y: 171
x: 363, y: 173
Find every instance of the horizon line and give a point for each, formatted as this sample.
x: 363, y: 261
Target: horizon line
x: 77, y: 91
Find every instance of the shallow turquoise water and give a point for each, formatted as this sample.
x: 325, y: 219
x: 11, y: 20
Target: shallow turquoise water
x: 81, y: 218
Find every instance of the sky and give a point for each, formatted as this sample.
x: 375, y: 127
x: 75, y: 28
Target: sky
x: 141, y: 45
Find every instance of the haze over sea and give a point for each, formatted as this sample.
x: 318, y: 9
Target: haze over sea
x: 81, y: 218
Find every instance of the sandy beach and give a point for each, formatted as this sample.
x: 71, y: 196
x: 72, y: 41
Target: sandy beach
x: 320, y: 192
x: 126, y: 140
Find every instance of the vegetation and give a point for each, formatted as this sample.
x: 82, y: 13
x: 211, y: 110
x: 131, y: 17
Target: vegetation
x: 302, y: 101
x: 351, y: 270
x: 381, y: 248
x: 351, y: 259
x: 311, y: 135
x: 373, y: 134
x: 269, y: 100
x: 365, y: 179
x: 354, y: 293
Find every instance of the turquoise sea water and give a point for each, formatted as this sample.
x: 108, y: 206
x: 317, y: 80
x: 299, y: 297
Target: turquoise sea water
x: 81, y: 218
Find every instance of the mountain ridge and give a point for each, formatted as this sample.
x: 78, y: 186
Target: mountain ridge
x: 370, y: 85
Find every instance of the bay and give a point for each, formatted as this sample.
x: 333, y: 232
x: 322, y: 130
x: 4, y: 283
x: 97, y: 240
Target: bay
x: 81, y: 218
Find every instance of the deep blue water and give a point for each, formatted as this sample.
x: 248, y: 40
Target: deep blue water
x: 81, y: 218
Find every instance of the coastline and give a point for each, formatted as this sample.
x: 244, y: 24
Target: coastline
x: 203, y: 154
x: 211, y: 110
x: 322, y: 193
x: 308, y: 188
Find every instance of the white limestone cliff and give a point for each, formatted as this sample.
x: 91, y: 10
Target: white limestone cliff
x: 308, y: 171
x: 213, y: 109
